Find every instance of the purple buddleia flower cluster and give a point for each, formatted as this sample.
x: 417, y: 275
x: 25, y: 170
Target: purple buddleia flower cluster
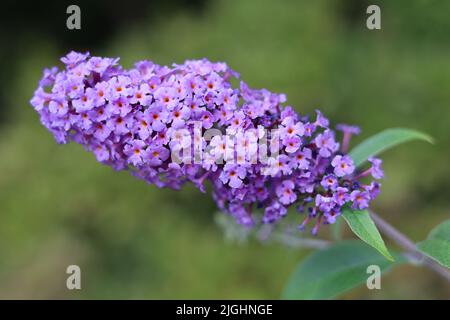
x: 188, y: 123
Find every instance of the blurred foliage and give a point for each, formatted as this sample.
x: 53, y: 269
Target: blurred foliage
x: 58, y: 206
x: 22, y: 23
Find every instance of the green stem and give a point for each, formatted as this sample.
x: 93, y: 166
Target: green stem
x: 409, y: 246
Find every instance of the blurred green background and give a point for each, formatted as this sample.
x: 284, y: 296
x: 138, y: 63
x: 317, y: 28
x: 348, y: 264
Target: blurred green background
x: 58, y: 206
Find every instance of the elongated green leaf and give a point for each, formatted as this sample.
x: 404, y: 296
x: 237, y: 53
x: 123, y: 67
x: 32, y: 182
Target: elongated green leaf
x: 383, y: 141
x: 332, y: 271
x: 362, y: 225
x: 437, y: 245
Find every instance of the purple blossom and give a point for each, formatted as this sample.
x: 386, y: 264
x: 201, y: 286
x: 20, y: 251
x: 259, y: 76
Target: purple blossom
x: 321, y: 121
x: 286, y: 193
x: 331, y: 216
x: 73, y: 58
x: 324, y: 203
x: 326, y: 143
x: 343, y: 165
x: 141, y: 95
x: 329, y: 182
x: 157, y: 116
x: 236, y: 123
x: 207, y: 119
x: 301, y: 158
x: 135, y: 152
x: 145, y: 120
x: 166, y: 97
x: 142, y: 125
x: 376, y: 170
x: 274, y: 212
x: 101, y: 153
x: 233, y: 175
x: 360, y: 199
x: 345, y: 128
x: 101, y: 132
x: 292, y: 143
x: 292, y: 128
x: 58, y: 107
x: 156, y: 155
x: 341, y: 196
x: 101, y: 93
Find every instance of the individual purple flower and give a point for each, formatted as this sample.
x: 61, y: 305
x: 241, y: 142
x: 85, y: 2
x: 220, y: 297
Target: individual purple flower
x: 101, y: 153
x: 48, y: 77
x: 241, y: 215
x: 324, y: 203
x: 284, y: 164
x: 222, y: 115
x: 373, y: 188
x: 58, y: 106
x: 341, y: 196
x: 101, y: 132
x: 161, y: 138
x: 141, y: 95
x: 331, y: 216
x: 236, y: 123
x: 213, y: 82
x: 120, y: 125
x: 142, y: 125
x: 302, y: 158
x: 82, y: 121
x: 154, y: 83
x: 40, y: 99
x: 326, y: 143
x: 101, y: 92
x: 166, y: 97
x: 274, y: 212
x: 310, y: 128
x: 156, y: 155
x: 321, y: 121
x: 100, y: 65
x: 84, y: 103
x: 360, y: 199
x: 285, y: 192
x: 292, y: 143
x: 345, y: 128
x: 289, y: 112
x: 329, y: 182
x: 343, y: 165
x: 207, y: 119
x: 179, y: 138
x: 119, y: 87
x: 233, y: 175
x: 157, y: 117
x: 292, y: 128
x: 135, y: 151
x: 178, y: 116
x: 218, y: 146
x: 376, y: 170
x: 228, y: 99
x: 73, y: 58
x: 120, y: 106
x: 79, y: 72
x: 74, y: 88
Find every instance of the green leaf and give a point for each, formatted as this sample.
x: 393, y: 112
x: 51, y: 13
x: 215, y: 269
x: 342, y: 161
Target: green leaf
x: 437, y: 245
x: 383, y: 141
x: 362, y: 225
x: 332, y: 271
